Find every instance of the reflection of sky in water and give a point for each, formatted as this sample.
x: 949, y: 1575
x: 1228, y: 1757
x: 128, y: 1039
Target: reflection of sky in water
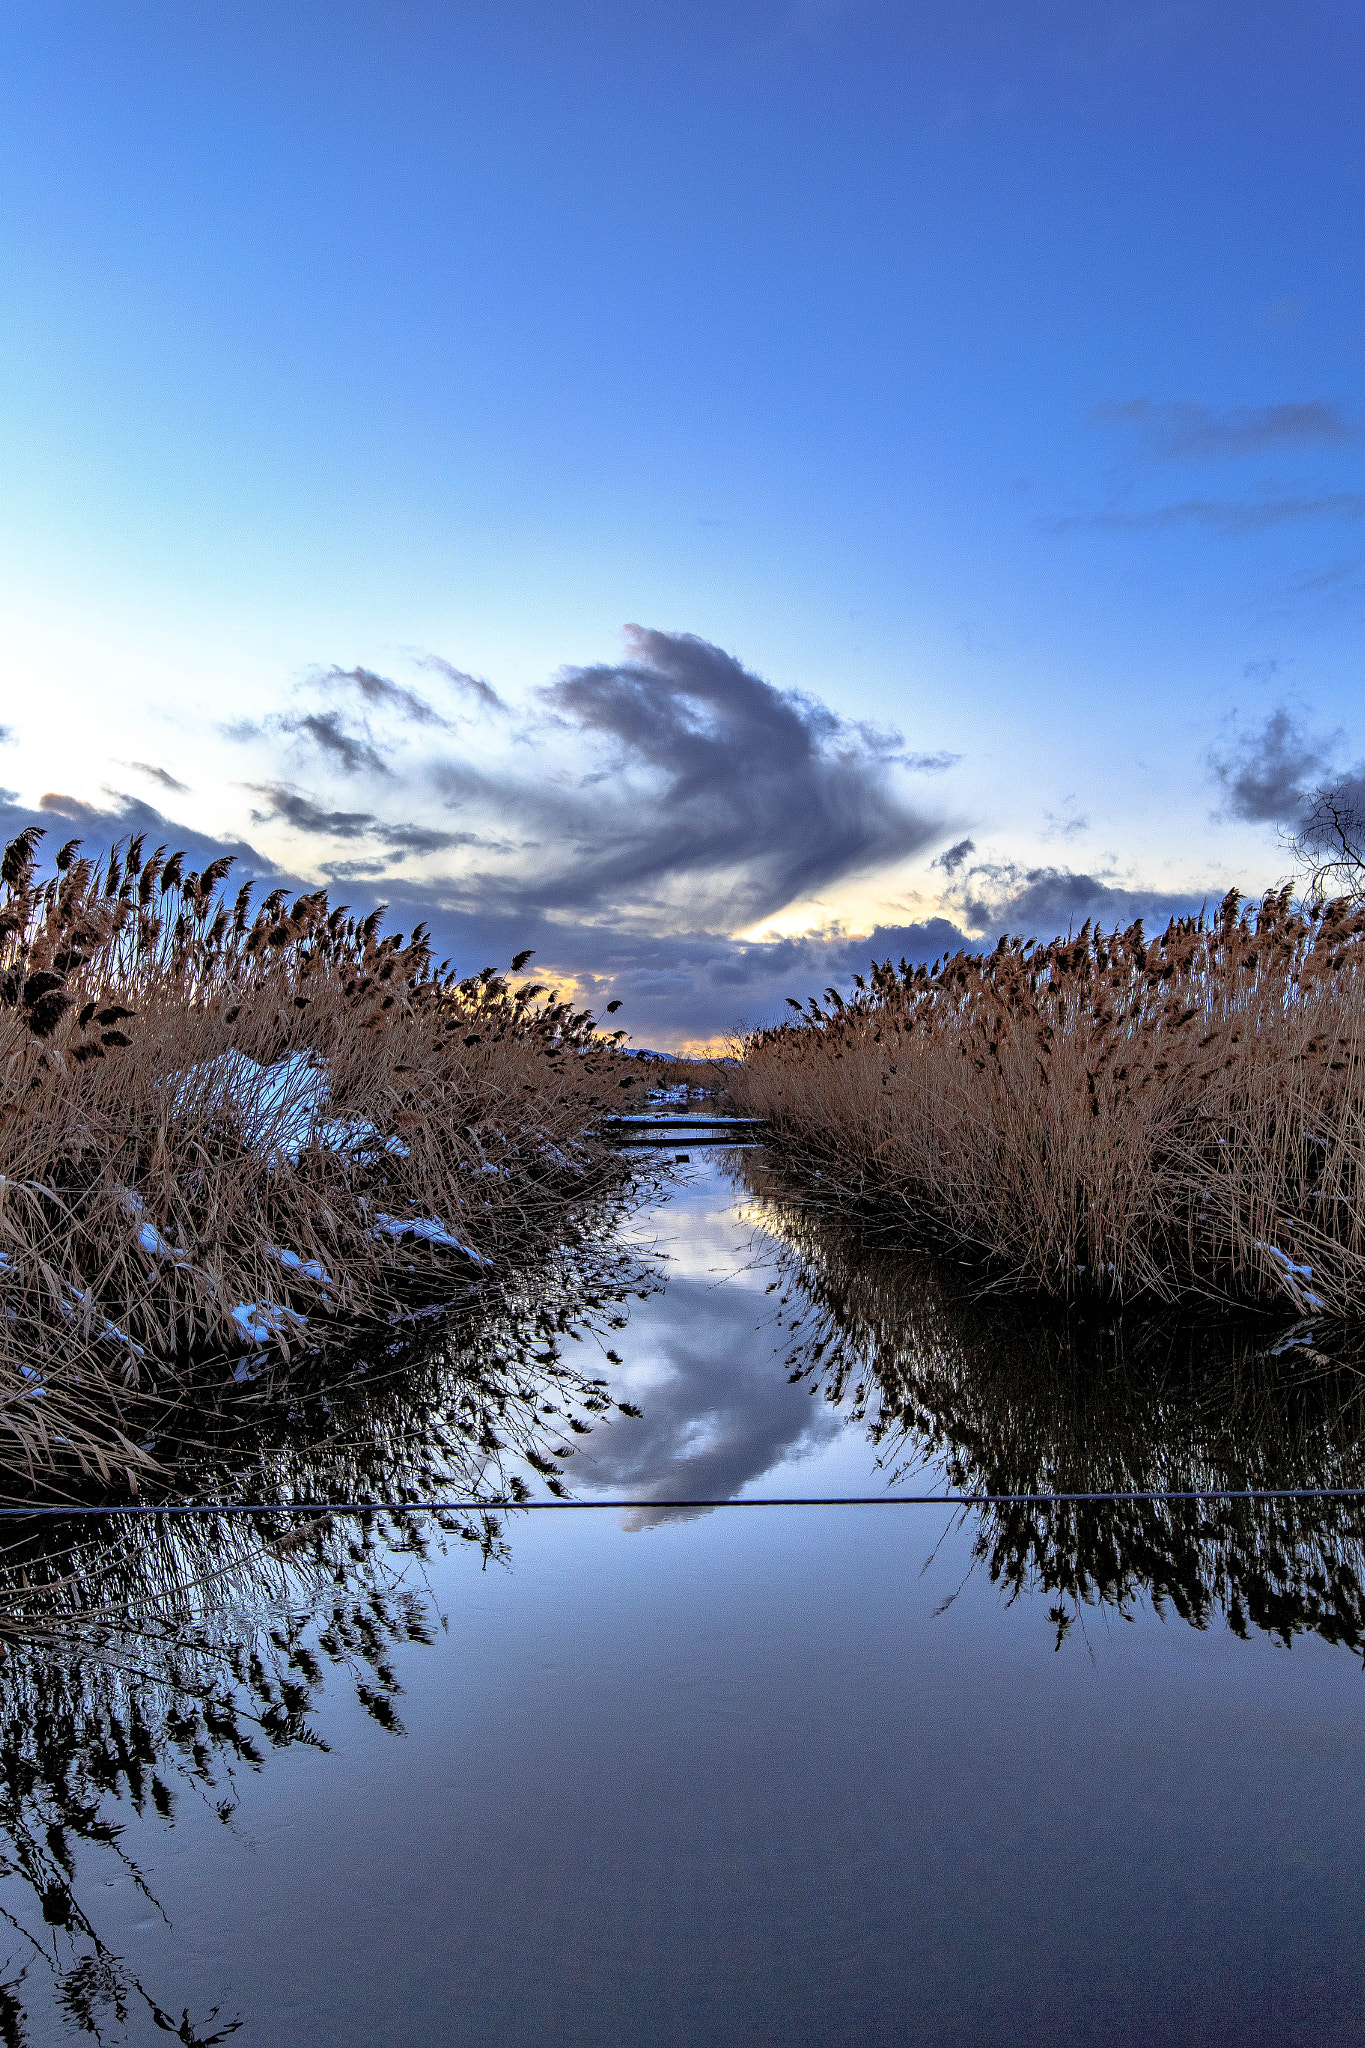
x: 703, y: 1361
x: 747, y: 1783
x: 775, y: 1777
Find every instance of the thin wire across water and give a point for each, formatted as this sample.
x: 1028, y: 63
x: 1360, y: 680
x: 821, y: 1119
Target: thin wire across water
x: 874, y: 1500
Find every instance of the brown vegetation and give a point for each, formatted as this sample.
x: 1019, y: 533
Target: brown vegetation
x: 1102, y: 1114
x: 228, y: 1134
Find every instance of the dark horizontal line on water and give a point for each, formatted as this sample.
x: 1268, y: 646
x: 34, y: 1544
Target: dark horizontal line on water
x: 685, y: 1123
x: 635, y: 1141
x: 872, y: 1500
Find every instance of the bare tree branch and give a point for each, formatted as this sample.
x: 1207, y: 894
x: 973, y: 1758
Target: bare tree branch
x: 1329, y: 846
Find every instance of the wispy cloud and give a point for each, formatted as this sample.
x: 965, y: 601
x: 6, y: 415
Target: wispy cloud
x: 358, y: 870
x: 428, y: 839
x: 161, y: 775
x: 1181, y: 429
x: 459, y: 679
x: 1337, y: 576
x: 352, y: 752
x: 379, y: 690
x: 298, y: 810
x: 1221, y: 515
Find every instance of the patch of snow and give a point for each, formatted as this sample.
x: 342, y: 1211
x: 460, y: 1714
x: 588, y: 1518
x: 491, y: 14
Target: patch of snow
x: 151, y: 1240
x: 312, y: 1270
x: 276, y: 1106
x: 1289, y: 1266
x: 358, y: 1137
x: 261, y: 1320
x: 432, y: 1230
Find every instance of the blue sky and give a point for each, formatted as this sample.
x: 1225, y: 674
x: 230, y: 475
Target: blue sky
x: 987, y: 376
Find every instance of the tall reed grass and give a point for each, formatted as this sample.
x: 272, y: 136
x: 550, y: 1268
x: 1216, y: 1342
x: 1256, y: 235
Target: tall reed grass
x: 229, y: 1133
x: 1102, y: 1115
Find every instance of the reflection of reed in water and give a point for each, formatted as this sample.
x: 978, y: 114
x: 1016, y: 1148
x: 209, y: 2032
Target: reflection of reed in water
x: 152, y: 1661
x: 1009, y: 1400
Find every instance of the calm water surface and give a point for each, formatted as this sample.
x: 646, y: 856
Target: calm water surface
x: 658, y: 1775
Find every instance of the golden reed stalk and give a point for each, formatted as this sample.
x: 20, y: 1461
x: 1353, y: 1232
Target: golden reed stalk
x: 1102, y: 1115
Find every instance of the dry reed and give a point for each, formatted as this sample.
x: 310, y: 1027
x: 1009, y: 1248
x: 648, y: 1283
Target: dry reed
x: 226, y: 1132
x: 1102, y: 1115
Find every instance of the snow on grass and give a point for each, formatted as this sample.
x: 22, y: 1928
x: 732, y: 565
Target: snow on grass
x: 432, y: 1230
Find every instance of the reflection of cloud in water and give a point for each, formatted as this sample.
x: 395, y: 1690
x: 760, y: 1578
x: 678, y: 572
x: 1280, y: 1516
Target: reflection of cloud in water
x: 705, y: 1368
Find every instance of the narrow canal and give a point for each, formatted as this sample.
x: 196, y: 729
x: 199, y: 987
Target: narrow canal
x: 660, y: 1774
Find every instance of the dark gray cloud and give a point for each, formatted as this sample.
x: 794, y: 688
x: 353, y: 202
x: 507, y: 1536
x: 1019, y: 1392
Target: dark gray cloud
x: 351, y: 751
x: 376, y: 689
x: 1182, y: 429
x: 294, y: 807
x: 712, y: 792
x: 1266, y: 775
x: 955, y: 857
x: 693, y: 984
x: 73, y: 808
x: 304, y: 815
x: 679, y: 797
x: 359, y: 870
x: 161, y: 775
x: 1041, y: 902
x: 482, y: 692
x: 426, y: 839
x: 681, y: 788
x: 349, y: 748
x: 1221, y: 515
x: 101, y: 827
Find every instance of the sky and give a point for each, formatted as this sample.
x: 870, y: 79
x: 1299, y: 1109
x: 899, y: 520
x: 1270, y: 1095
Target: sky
x: 709, y: 492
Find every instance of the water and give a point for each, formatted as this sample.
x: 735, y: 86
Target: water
x: 662, y: 1775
